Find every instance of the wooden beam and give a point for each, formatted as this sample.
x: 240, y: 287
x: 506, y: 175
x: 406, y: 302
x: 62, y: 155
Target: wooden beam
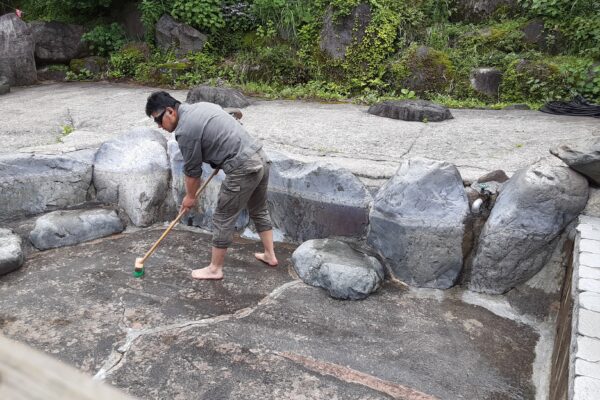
x: 29, y: 374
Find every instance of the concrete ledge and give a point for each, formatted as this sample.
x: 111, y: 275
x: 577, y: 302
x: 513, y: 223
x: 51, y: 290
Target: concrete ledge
x: 584, y: 376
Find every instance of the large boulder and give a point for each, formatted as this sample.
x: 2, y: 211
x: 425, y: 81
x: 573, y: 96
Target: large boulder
x: 411, y: 110
x: 132, y: 171
x: 34, y: 183
x: 533, y: 208
x: 11, y: 252
x: 179, y: 37
x: 316, y: 200
x: 424, y: 70
x: 336, y: 267
x: 225, y: 97
x: 549, y: 40
x: 201, y: 216
x: 57, y: 42
x: 340, y: 33
x: 17, y: 61
x: 66, y: 228
x: 417, y: 223
x: 583, y: 157
x: 486, y: 81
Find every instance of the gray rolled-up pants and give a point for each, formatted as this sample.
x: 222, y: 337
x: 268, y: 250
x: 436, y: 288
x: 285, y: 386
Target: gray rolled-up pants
x: 245, y: 186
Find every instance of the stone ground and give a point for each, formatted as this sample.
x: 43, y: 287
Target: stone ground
x: 261, y: 333
x: 476, y: 141
x: 258, y: 334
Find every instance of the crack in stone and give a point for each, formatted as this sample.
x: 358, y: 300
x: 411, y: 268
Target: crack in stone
x: 350, y: 375
x: 409, y: 148
x: 117, y: 357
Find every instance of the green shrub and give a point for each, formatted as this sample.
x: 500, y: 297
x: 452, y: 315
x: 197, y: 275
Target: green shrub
x: 285, y: 16
x: 421, y: 69
x: 269, y: 64
x: 77, y: 11
x: 105, y: 39
x: 204, y: 15
x: 151, y: 11
x: 124, y: 62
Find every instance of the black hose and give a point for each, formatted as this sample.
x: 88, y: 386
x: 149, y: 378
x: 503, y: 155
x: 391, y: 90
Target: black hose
x: 578, y: 107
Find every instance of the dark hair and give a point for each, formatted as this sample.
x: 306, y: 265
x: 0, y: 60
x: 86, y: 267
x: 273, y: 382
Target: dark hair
x: 158, y: 101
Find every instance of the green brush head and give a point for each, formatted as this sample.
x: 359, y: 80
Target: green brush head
x: 138, y: 273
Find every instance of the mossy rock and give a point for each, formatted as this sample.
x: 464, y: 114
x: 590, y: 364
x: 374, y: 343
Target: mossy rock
x: 94, y: 64
x: 533, y: 80
x: 423, y: 70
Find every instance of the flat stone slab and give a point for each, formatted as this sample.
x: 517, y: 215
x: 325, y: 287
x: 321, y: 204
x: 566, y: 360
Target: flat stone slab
x: 476, y: 141
x: 257, y: 334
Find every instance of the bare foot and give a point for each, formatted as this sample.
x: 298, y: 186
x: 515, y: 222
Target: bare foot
x: 208, y: 273
x: 270, y: 261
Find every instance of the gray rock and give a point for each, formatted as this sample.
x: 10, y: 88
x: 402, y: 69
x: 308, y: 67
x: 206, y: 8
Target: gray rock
x: 592, y: 207
x: 47, y: 74
x: 4, y: 85
x: 583, y: 157
x: 339, y: 34
x: 202, y: 215
x: 411, y: 110
x: 417, y: 223
x: 132, y: 171
x: 480, y: 10
x: 546, y: 39
x: 17, y: 61
x: 66, y: 228
x: 494, y: 176
x: 57, y: 42
x: 517, y: 107
x: 130, y: 17
x: 225, y: 97
x: 336, y: 267
x: 486, y: 81
x: 535, y: 205
x: 11, y: 253
x: 182, y: 38
x: 316, y: 200
x: 34, y: 183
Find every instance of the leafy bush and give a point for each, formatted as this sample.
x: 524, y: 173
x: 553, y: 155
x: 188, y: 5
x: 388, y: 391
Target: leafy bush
x: 286, y: 16
x: 204, y: 15
x: 64, y: 10
x: 124, y: 62
x: 270, y: 64
x: 151, y: 11
x: 105, y: 39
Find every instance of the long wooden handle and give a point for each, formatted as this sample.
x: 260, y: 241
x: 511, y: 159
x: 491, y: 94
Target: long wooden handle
x: 178, y: 218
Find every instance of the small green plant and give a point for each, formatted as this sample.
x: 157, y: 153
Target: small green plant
x: 84, y: 75
x: 105, y: 39
x: 67, y: 129
x: 204, y: 15
x: 124, y: 62
x: 151, y: 11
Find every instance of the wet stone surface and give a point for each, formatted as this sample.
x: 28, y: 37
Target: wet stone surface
x: 258, y: 334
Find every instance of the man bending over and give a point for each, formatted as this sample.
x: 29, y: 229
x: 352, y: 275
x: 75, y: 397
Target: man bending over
x: 206, y: 133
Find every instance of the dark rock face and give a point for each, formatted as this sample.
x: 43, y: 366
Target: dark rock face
x: 11, y: 253
x: 130, y: 17
x: 17, y: 62
x: 94, y: 64
x: 486, y: 81
x: 411, y: 110
x: 548, y: 40
x: 316, y: 200
x: 336, y: 267
x: 533, y: 208
x: 517, y: 107
x: 133, y: 172
x: 417, y: 223
x: 338, y: 35
x: 225, y: 97
x: 583, y: 158
x: 31, y: 184
x: 65, y: 228
x: 46, y: 74
x: 180, y: 37
x: 4, y: 85
x: 56, y: 42
x: 480, y: 10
